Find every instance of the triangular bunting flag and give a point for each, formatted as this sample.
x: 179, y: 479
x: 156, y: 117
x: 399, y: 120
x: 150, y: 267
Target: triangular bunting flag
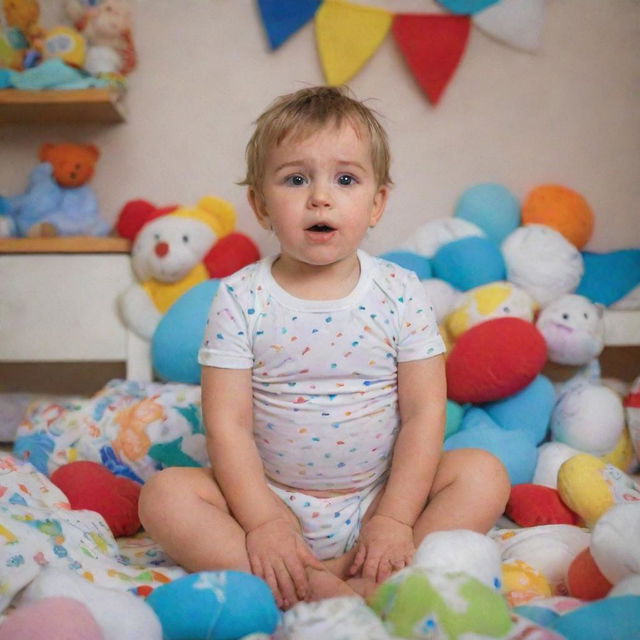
x: 432, y: 46
x: 282, y: 18
x: 348, y: 35
x: 517, y: 23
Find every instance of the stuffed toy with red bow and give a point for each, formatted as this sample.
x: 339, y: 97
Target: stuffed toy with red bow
x: 174, y: 248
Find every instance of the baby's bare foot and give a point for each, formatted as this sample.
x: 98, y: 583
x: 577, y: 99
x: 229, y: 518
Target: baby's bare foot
x: 323, y: 584
x: 364, y: 587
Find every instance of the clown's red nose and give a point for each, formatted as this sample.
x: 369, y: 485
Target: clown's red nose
x: 162, y: 248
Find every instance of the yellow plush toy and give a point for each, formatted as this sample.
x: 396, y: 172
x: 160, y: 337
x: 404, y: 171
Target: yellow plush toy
x: 590, y: 487
x: 493, y: 300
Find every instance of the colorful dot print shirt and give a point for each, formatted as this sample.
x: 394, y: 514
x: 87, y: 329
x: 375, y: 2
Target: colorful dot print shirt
x: 324, y: 372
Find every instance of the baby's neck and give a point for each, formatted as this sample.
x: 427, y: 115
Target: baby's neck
x: 311, y: 282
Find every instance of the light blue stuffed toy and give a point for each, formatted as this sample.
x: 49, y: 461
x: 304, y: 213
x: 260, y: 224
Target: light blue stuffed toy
x: 69, y: 211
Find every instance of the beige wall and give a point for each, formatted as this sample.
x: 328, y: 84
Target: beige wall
x: 569, y: 114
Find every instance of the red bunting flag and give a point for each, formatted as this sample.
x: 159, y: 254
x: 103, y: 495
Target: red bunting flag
x: 432, y: 46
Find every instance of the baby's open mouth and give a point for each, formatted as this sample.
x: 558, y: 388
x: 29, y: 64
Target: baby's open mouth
x: 321, y: 228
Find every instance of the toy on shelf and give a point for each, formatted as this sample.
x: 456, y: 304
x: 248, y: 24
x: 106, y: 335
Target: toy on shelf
x: 174, y: 249
x: 34, y: 43
x: 58, y: 201
x: 108, y: 29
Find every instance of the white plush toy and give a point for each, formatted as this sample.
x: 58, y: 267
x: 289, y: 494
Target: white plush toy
x: 174, y: 249
x: 119, y: 614
x: 573, y: 329
x: 543, y: 262
x: 443, y: 296
x: 549, y: 549
x: 427, y: 239
x: 342, y: 618
x: 461, y: 550
x: 615, y: 542
x: 551, y: 455
x: 589, y: 417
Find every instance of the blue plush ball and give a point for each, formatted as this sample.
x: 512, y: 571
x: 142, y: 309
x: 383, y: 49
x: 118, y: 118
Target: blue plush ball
x: 469, y: 262
x: 610, y: 276
x: 466, y: 7
x: 528, y: 410
x: 515, y: 449
x: 215, y: 605
x: 491, y: 207
x: 455, y: 412
x: 412, y: 261
x: 177, y: 338
x: 616, y: 618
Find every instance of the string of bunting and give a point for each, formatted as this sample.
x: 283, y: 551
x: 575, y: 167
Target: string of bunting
x: 349, y: 34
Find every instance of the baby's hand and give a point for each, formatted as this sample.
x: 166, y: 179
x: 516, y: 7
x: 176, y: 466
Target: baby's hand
x: 385, y: 546
x: 279, y: 555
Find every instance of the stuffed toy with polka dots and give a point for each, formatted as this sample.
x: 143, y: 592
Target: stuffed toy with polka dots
x: 175, y: 248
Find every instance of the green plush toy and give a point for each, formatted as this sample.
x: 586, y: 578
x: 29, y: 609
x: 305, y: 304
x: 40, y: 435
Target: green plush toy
x: 416, y: 603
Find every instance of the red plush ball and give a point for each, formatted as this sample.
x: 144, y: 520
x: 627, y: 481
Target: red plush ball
x: 494, y: 360
x: 532, y: 505
x: 585, y: 580
x: 89, y: 485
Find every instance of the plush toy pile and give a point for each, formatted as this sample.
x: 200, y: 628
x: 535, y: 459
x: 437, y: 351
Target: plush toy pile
x: 513, y: 289
x: 98, y: 50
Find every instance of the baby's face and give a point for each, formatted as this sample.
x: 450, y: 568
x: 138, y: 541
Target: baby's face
x: 319, y: 195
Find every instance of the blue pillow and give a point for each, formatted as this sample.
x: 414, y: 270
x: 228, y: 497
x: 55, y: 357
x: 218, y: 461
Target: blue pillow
x: 528, y: 411
x: 609, y: 276
x: 515, y: 449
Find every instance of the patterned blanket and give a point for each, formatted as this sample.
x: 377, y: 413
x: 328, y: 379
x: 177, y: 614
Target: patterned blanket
x: 38, y: 529
x: 132, y: 428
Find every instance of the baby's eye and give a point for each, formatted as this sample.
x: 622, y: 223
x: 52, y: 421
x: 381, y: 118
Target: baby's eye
x: 296, y: 180
x: 346, y: 179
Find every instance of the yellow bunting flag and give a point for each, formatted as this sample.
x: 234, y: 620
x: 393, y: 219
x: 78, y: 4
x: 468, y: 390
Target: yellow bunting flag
x: 348, y: 35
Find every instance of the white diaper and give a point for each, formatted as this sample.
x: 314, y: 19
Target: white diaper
x: 330, y: 526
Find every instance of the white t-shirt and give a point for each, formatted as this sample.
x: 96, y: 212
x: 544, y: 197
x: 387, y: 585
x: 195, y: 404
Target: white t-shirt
x: 324, y: 372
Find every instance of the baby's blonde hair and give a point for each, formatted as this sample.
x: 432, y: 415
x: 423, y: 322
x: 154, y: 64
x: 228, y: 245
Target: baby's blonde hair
x: 304, y: 112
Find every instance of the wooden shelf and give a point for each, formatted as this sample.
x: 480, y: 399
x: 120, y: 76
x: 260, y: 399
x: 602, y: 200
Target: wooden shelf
x: 55, y: 106
x: 67, y: 244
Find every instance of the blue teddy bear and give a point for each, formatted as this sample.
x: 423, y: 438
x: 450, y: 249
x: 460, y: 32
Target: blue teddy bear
x: 56, y: 201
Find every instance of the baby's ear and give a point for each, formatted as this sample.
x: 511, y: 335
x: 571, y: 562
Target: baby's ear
x: 379, y: 204
x: 256, y: 201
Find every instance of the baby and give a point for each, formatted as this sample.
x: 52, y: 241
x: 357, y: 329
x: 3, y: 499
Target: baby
x: 323, y: 386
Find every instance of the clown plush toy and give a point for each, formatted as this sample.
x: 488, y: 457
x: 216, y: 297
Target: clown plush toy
x: 175, y: 248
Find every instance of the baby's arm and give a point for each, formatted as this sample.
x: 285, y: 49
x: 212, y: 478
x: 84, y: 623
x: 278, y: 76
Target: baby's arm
x: 386, y: 541
x: 275, y: 548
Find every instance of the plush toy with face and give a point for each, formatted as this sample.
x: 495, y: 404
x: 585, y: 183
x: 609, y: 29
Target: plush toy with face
x: 573, y: 329
x: 175, y: 248
x: 58, y: 201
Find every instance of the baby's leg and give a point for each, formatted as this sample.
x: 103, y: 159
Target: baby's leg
x: 470, y: 490
x: 185, y: 512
